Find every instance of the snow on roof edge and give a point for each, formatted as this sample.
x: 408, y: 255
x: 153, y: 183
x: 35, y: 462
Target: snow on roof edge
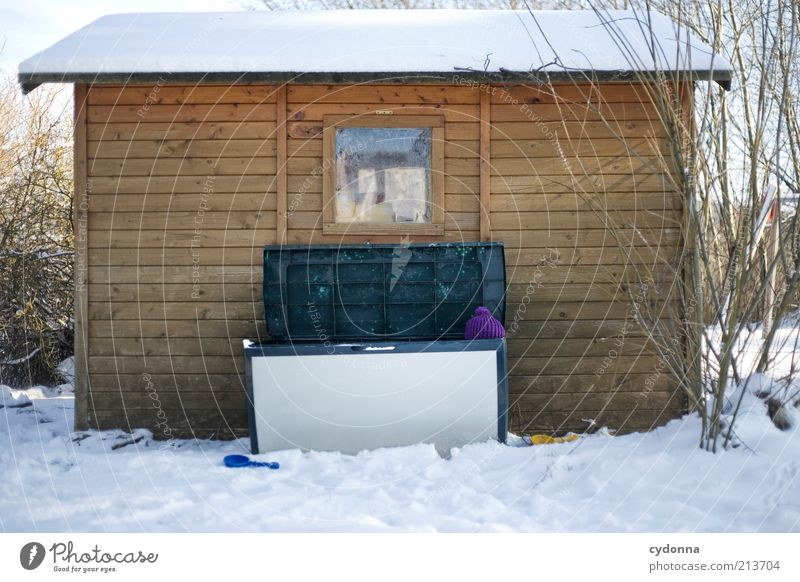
x: 494, y: 45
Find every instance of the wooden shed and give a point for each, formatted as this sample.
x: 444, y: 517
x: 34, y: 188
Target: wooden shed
x: 200, y: 138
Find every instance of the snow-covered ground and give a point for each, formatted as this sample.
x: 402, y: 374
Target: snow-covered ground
x: 660, y: 481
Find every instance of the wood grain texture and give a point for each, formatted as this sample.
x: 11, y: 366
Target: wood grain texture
x: 247, y: 166
x: 612, y: 112
x: 571, y: 93
x: 81, y: 226
x: 146, y: 185
x: 210, y: 94
x: 173, y: 130
x: 189, y: 113
x: 282, y: 169
x: 535, y: 167
x: 485, y: 167
x: 186, y: 148
x: 383, y: 94
x: 144, y: 203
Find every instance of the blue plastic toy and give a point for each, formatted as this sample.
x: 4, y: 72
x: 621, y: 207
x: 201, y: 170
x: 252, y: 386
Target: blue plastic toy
x: 243, y: 461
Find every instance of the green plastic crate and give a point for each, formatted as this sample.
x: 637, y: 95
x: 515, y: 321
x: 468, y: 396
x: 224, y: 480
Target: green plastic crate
x: 369, y: 292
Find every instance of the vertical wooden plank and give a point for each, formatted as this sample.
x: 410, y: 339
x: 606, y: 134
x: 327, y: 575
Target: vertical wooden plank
x: 281, y: 176
x: 80, y: 225
x: 685, y: 92
x: 328, y: 175
x: 485, y: 166
x: 437, y: 175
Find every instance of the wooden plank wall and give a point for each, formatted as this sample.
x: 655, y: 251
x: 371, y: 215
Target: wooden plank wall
x: 186, y: 188
x: 579, y: 211
x: 79, y: 223
x: 183, y: 200
x: 307, y: 104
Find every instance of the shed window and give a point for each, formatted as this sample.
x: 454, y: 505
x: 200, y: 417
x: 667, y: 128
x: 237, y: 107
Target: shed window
x: 383, y: 174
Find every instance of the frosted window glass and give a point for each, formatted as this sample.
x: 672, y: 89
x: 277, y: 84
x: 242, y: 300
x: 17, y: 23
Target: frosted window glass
x: 403, y: 188
x: 383, y: 175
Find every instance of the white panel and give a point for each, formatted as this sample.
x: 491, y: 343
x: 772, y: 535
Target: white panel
x: 354, y: 402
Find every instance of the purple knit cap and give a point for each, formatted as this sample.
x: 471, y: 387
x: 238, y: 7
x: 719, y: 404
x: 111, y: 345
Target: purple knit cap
x: 483, y: 326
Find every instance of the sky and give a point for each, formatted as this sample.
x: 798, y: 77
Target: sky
x: 29, y: 26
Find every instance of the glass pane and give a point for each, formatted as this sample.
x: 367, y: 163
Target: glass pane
x: 383, y: 175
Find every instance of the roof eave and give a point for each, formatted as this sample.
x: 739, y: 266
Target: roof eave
x: 29, y: 81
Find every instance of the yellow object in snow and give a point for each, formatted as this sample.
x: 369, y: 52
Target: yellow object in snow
x: 543, y: 439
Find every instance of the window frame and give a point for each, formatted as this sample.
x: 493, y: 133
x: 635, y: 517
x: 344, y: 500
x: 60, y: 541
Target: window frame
x: 333, y: 122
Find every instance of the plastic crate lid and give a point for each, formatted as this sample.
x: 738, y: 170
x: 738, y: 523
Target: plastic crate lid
x: 363, y: 292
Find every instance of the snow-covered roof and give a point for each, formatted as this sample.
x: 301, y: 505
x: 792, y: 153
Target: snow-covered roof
x: 351, y: 45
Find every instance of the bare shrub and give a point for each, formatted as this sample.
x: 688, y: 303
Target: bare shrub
x: 36, y: 238
x: 730, y: 152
